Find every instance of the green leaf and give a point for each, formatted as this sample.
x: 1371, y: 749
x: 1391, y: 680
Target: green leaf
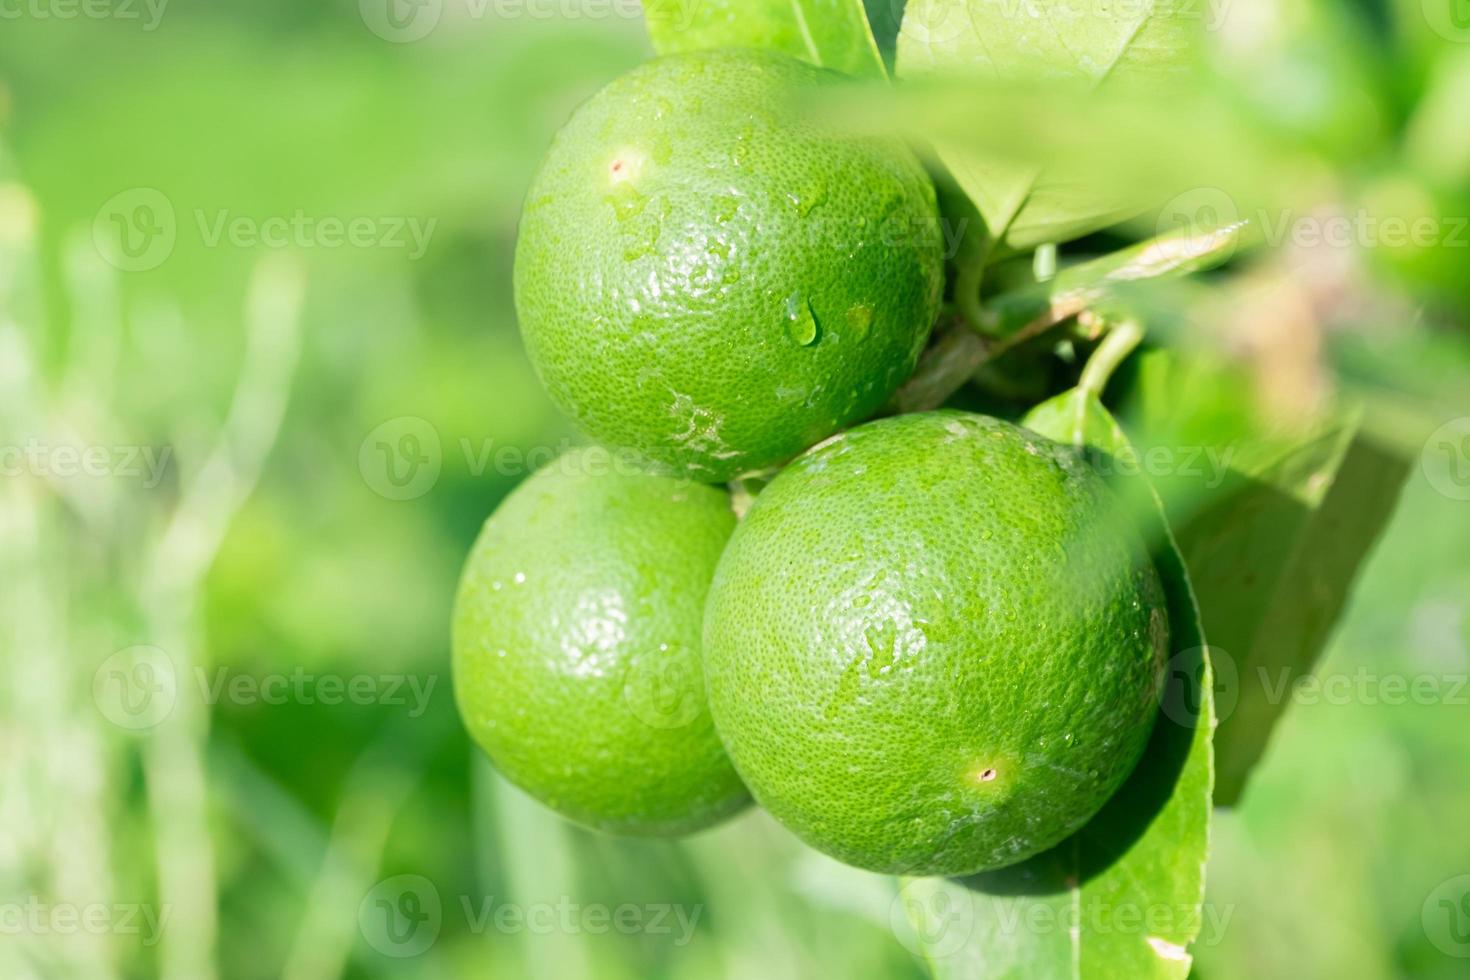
x: 830, y: 33
x: 1077, y: 419
x: 1123, y: 897
x: 1274, y: 524
x: 1021, y: 41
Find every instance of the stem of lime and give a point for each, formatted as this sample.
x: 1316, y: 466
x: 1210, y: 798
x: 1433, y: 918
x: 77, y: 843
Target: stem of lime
x: 968, y: 281
x: 1122, y: 338
x: 967, y: 295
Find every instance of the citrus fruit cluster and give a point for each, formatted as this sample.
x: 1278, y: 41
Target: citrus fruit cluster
x: 934, y: 642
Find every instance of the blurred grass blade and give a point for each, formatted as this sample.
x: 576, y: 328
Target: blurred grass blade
x: 540, y: 869
x: 378, y: 785
x: 829, y: 33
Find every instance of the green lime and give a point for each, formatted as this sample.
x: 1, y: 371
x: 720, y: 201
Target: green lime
x: 711, y: 277
x: 577, y: 646
x: 935, y: 644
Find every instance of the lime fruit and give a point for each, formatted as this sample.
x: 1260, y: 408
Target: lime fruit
x: 577, y: 646
x: 709, y: 276
x: 935, y: 644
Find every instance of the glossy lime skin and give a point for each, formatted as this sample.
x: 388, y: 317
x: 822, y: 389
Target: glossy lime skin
x: 934, y: 645
x: 577, y: 646
x: 711, y: 277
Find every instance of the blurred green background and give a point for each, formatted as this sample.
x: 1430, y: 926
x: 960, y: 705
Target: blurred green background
x: 227, y: 727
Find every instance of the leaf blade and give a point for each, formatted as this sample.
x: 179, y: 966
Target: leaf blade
x: 999, y: 40
x: 1298, y: 531
x: 829, y: 33
x: 1275, y: 522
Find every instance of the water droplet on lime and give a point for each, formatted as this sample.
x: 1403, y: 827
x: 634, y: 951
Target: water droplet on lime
x: 742, y: 145
x: 801, y: 322
x: 882, y: 646
x: 808, y: 199
x: 725, y: 207
x: 626, y: 201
